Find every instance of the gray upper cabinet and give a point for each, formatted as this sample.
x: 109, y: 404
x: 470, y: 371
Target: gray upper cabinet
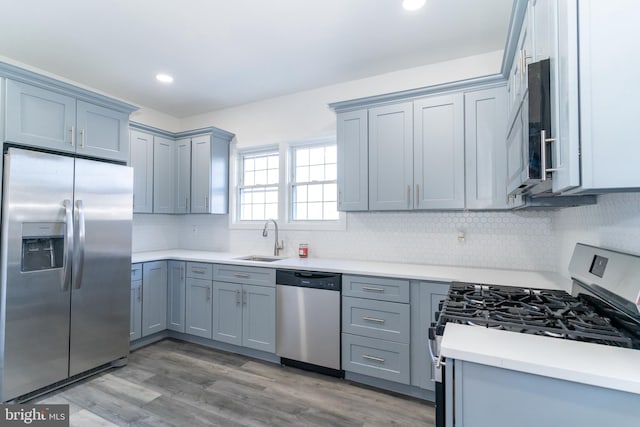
x: 176, y: 296
x: 57, y: 121
x: 485, y: 128
x: 163, y: 175
x: 141, y: 161
x: 154, y: 297
x: 209, y: 174
x: 182, y: 174
x: 391, y: 157
x: 353, y: 155
x: 102, y: 132
x: 438, y: 152
x: 39, y: 117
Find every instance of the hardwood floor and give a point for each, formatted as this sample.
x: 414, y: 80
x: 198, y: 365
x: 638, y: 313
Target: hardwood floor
x: 173, y: 383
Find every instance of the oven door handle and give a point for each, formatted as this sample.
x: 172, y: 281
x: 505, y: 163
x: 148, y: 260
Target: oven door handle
x: 432, y: 353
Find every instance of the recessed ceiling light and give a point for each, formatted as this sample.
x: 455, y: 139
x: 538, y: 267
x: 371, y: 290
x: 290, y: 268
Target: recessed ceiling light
x: 413, y: 4
x: 164, y: 78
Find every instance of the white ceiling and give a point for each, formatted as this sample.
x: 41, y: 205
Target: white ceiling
x: 230, y: 52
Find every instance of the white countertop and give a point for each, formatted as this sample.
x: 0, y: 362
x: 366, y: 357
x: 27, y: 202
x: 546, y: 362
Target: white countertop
x: 594, y: 364
x: 531, y: 279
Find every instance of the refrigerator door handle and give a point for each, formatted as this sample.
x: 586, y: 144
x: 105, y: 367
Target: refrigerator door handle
x: 68, y: 245
x: 79, y: 264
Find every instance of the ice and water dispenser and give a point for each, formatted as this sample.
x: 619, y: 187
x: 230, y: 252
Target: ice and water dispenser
x: 42, y: 245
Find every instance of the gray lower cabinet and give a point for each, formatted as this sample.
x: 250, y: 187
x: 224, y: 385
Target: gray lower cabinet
x: 425, y: 297
x: 176, y: 296
x: 245, y: 306
x: 245, y: 315
x: 154, y: 297
x: 529, y: 400
x: 199, y: 307
x: 376, y: 339
x: 135, y: 315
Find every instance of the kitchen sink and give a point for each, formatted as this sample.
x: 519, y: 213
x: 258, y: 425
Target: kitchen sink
x: 259, y: 258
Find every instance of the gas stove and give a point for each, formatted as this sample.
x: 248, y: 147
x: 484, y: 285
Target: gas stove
x: 553, y: 313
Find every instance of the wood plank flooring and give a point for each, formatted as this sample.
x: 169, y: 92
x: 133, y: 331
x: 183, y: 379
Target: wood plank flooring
x: 173, y: 383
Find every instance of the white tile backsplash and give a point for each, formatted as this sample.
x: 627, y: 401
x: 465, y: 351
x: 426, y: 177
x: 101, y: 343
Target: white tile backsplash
x: 528, y: 240
x: 613, y: 223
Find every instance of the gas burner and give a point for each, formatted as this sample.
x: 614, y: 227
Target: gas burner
x: 552, y: 313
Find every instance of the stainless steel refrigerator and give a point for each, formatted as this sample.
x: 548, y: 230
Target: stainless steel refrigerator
x: 66, y: 260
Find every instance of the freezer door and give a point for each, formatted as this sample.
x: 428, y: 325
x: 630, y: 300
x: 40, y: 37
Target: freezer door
x: 102, y: 274
x: 34, y: 312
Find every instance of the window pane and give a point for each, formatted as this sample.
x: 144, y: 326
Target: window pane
x: 300, y: 193
x: 300, y: 212
x: 315, y: 193
x: 330, y: 192
x: 273, y: 162
x: 245, y: 212
x: 302, y: 157
x: 302, y: 174
x: 272, y: 176
x: 257, y: 212
x: 331, y: 210
x: 261, y: 177
x: 330, y: 172
x: 314, y: 211
x: 271, y: 196
x: 316, y: 156
x: 249, y: 178
x: 249, y: 164
x: 316, y: 173
x: 258, y: 197
x: 261, y: 163
x: 271, y: 211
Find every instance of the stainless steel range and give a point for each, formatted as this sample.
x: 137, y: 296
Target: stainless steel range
x: 603, y: 308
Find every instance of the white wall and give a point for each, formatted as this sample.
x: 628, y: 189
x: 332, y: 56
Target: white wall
x: 305, y: 115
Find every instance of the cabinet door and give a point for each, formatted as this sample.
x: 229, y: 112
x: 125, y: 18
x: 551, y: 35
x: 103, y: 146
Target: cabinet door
x: 485, y: 148
x: 135, y: 318
x: 163, y: 175
x: 517, y: 150
x: 183, y: 176
x: 227, y: 312
x: 39, y: 117
x: 154, y: 297
x: 438, y: 152
x: 425, y: 297
x: 391, y: 157
x: 543, y: 25
x: 176, y: 288
x: 353, y: 155
x: 200, y: 174
x: 517, y: 82
x: 259, y: 318
x: 199, y: 294
x: 142, y: 163
x: 102, y: 132
x: 565, y: 100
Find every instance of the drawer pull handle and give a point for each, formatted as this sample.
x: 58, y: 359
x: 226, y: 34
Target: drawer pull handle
x: 373, y: 319
x: 197, y: 271
x: 242, y: 276
x: 373, y: 289
x: 374, y: 358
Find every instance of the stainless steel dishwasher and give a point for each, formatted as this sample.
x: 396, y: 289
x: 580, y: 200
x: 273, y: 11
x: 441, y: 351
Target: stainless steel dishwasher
x: 308, y: 320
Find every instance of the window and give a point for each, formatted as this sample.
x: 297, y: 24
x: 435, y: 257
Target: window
x: 258, y: 189
x: 314, y: 193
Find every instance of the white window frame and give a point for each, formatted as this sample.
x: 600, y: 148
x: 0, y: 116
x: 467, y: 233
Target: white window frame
x: 285, y: 220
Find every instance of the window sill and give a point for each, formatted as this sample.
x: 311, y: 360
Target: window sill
x: 338, y: 225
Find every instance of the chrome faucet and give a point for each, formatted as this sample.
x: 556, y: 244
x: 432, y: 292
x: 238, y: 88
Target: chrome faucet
x: 277, y: 245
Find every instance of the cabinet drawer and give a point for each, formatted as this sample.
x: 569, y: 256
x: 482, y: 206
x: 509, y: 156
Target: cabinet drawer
x: 246, y: 275
x: 136, y: 272
x: 377, y: 358
x: 376, y: 319
x: 200, y: 270
x: 395, y: 290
